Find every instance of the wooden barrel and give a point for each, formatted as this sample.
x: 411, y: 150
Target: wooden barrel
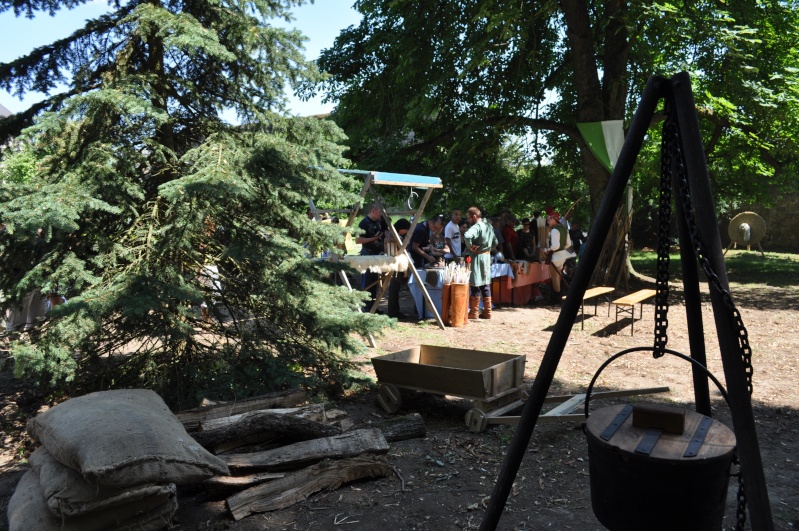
x: 643, y: 477
x: 446, y: 306
x: 459, y: 304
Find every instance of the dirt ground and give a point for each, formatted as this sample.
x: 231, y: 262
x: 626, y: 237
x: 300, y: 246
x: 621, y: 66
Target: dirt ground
x: 443, y: 481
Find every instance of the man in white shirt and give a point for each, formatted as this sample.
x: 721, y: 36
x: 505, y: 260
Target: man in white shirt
x: 452, y: 235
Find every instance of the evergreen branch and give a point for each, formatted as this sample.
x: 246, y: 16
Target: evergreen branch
x: 40, y: 70
x: 29, y: 7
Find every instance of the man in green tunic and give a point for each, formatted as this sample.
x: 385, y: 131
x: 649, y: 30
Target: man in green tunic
x: 479, y: 240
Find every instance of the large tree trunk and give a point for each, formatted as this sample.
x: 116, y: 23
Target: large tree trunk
x: 596, y: 103
x: 590, y: 103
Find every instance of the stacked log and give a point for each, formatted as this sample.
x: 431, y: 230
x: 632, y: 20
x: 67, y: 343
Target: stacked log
x: 279, y: 451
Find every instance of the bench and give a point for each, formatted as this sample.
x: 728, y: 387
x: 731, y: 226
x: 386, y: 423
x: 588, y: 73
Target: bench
x: 592, y: 293
x: 627, y: 304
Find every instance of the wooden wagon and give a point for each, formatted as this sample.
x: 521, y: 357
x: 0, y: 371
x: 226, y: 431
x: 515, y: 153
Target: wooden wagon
x: 493, y: 382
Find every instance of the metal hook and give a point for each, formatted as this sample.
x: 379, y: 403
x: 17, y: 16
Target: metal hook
x: 410, y: 198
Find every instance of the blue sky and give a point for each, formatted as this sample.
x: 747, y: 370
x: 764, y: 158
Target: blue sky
x: 321, y: 22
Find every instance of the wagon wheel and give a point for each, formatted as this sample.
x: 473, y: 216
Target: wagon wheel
x: 389, y: 398
x: 476, y: 420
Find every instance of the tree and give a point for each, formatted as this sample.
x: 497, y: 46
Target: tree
x: 146, y: 206
x: 457, y: 79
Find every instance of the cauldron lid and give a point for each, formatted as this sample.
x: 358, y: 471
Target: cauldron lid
x: 719, y: 441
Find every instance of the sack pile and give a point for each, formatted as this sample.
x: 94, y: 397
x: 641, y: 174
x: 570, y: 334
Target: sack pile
x: 108, y: 460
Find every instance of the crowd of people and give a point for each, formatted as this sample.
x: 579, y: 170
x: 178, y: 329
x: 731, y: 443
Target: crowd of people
x: 477, y: 240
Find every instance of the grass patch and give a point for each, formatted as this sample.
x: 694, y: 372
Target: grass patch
x: 743, y: 267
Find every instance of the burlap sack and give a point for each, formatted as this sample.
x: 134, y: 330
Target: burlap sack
x: 123, y: 438
x: 67, y: 494
x: 27, y: 511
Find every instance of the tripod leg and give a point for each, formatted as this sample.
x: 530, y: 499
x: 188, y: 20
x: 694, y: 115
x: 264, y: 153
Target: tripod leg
x: 655, y: 88
x: 728, y: 334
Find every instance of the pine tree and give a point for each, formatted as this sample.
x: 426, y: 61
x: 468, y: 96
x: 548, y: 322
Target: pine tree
x: 146, y: 206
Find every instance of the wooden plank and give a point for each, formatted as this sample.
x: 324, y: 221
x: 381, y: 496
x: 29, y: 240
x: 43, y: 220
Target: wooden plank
x: 441, y: 380
x: 296, y: 487
x: 191, y: 418
x: 612, y: 394
x: 504, y: 409
x: 350, y: 444
x: 566, y: 407
x: 462, y: 358
x: 597, y: 291
x: 634, y: 298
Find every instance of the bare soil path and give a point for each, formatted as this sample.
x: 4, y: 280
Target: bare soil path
x: 443, y: 481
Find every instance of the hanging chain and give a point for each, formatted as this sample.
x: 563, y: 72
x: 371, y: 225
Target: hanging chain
x: 740, y: 512
x: 667, y: 150
x: 742, y: 336
x: 699, y: 250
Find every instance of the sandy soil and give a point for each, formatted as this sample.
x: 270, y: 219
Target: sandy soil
x: 443, y: 481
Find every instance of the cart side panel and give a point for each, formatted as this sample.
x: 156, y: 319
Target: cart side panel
x: 411, y: 355
x: 507, y: 375
x: 461, y: 358
x: 429, y: 378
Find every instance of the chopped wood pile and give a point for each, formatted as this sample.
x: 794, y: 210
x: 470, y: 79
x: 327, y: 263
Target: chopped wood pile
x: 280, y: 451
x: 261, y: 454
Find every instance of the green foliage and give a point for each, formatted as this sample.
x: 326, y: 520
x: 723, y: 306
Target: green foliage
x: 146, y: 207
x: 17, y: 166
x: 447, y: 89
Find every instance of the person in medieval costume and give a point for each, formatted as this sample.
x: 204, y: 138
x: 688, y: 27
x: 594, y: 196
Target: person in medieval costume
x: 558, y: 250
x: 479, y: 240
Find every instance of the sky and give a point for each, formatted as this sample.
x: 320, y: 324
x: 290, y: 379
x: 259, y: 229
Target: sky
x: 321, y: 22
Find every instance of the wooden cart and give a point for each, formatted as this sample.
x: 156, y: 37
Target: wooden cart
x: 493, y: 382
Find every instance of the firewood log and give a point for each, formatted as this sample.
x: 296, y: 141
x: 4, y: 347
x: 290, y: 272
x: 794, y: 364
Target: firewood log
x: 299, y: 485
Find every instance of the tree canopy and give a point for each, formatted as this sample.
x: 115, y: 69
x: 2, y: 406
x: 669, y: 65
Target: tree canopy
x: 446, y: 86
x: 146, y: 205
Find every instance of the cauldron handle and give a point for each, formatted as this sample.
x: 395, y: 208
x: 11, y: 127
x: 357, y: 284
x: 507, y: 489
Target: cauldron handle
x: 650, y: 349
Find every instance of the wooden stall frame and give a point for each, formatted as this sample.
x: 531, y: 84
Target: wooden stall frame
x: 370, y: 180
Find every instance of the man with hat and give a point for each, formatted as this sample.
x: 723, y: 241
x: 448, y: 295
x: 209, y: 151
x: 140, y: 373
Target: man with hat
x: 557, y: 251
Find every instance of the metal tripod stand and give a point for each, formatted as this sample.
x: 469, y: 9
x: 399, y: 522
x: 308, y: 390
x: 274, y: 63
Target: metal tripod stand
x: 678, y: 94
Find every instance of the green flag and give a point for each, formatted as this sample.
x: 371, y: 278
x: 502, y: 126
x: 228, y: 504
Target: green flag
x: 604, y: 139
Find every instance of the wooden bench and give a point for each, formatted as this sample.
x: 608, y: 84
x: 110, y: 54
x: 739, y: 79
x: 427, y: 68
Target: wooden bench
x: 592, y: 293
x: 627, y: 304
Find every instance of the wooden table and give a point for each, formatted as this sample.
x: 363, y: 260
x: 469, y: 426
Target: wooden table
x: 519, y: 286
